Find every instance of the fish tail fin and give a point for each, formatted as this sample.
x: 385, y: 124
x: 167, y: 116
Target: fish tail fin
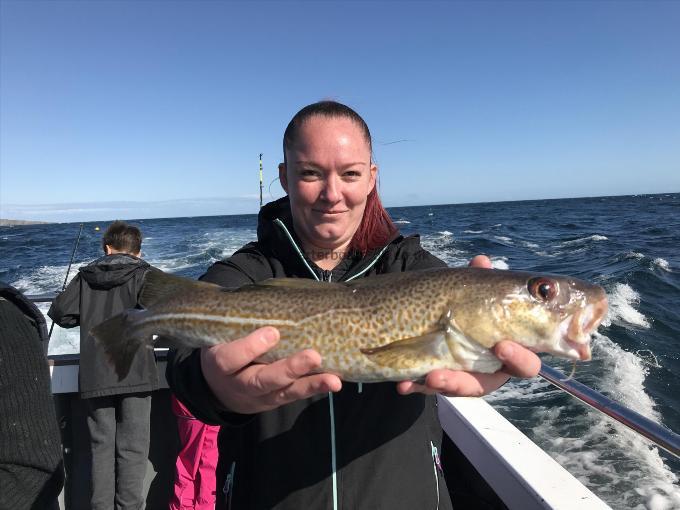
x: 119, y: 341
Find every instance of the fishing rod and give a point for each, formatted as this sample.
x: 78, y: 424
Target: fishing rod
x: 63, y: 287
x: 658, y: 434
x: 261, y: 180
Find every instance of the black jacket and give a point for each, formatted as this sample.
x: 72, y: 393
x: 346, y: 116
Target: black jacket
x: 383, y: 447
x: 31, y: 466
x: 100, y: 290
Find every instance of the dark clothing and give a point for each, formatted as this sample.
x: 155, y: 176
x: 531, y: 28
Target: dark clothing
x: 119, y: 412
x: 102, y: 289
x: 119, y: 432
x: 373, y: 448
x: 31, y: 465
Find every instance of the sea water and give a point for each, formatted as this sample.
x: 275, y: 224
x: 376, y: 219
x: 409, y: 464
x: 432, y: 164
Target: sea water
x: 627, y: 244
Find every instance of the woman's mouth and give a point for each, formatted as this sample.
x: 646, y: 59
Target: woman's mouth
x: 328, y: 211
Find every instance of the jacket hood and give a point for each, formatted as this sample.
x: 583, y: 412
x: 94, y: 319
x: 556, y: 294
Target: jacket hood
x: 278, y: 209
x: 111, y: 270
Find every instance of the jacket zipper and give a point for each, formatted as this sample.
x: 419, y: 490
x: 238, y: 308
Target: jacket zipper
x: 436, y: 465
x: 228, y: 489
x: 328, y: 276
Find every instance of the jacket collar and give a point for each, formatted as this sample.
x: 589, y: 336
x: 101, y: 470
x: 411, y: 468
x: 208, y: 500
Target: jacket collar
x: 275, y: 230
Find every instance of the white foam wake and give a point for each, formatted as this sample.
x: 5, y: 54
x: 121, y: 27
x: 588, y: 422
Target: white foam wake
x: 622, y: 301
x: 47, y: 279
x: 617, y: 464
x: 441, y: 246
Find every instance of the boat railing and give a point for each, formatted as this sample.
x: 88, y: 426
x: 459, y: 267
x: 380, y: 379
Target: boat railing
x: 658, y: 434
x: 42, y: 298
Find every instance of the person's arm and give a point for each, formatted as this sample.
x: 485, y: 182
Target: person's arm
x: 65, y: 309
x: 517, y: 361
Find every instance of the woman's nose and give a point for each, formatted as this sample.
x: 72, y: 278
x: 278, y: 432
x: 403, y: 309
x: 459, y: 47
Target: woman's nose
x: 331, y: 190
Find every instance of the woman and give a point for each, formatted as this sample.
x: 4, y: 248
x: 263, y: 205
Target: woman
x: 295, y: 439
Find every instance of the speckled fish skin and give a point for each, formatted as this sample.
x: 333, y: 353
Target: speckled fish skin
x: 385, y: 328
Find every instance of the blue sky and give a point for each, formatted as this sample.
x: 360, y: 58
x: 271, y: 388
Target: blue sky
x: 151, y: 109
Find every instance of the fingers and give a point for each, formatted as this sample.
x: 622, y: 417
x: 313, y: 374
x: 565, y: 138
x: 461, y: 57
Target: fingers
x: 233, y: 356
x: 302, y: 388
x: 245, y: 387
x: 517, y: 360
x: 481, y: 261
x: 284, y: 372
x: 454, y: 383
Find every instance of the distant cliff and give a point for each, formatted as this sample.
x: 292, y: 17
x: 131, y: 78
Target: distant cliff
x: 9, y: 223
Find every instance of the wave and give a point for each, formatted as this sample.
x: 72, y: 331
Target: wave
x: 46, y: 279
x: 580, y: 240
x: 662, y: 264
x: 402, y: 222
x: 473, y: 231
x: 441, y: 245
x: 544, y: 253
x: 622, y: 299
x: 193, y: 256
x: 658, y: 262
x: 500, y: 263
x: 503, y: 239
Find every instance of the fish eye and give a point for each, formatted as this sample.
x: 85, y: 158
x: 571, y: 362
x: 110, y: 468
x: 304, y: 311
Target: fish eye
x: 542, y: 289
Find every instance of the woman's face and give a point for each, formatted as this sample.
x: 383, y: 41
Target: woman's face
x: 328, y: 177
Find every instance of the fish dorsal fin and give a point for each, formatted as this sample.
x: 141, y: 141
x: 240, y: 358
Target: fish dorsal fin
x: 297, y: 283
x: 159, y: 285
x: 411, y: 352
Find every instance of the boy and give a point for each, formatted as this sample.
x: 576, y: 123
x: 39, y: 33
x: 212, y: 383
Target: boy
x: 118, y: 411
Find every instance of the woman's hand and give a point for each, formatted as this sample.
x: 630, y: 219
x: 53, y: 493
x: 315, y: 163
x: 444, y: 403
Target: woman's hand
x: 245, y: 387
x: 517, y: 361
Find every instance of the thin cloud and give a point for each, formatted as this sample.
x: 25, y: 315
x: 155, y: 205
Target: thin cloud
x: 97, y: 211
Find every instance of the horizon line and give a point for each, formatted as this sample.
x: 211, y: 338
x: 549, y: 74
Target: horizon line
x: 255, y: 213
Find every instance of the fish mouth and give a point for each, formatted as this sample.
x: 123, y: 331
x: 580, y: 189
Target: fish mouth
x: 576, y: 330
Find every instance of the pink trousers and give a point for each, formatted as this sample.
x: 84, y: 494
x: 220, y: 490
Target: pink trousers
x: 196, y: 462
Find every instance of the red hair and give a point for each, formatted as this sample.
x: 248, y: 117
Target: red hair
x: 376, y: 228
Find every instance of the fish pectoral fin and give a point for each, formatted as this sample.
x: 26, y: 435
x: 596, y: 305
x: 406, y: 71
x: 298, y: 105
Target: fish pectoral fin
x: 468, y: 354
x: 426, y: 350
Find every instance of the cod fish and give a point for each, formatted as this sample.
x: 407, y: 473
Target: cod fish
x: 390, y: 327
